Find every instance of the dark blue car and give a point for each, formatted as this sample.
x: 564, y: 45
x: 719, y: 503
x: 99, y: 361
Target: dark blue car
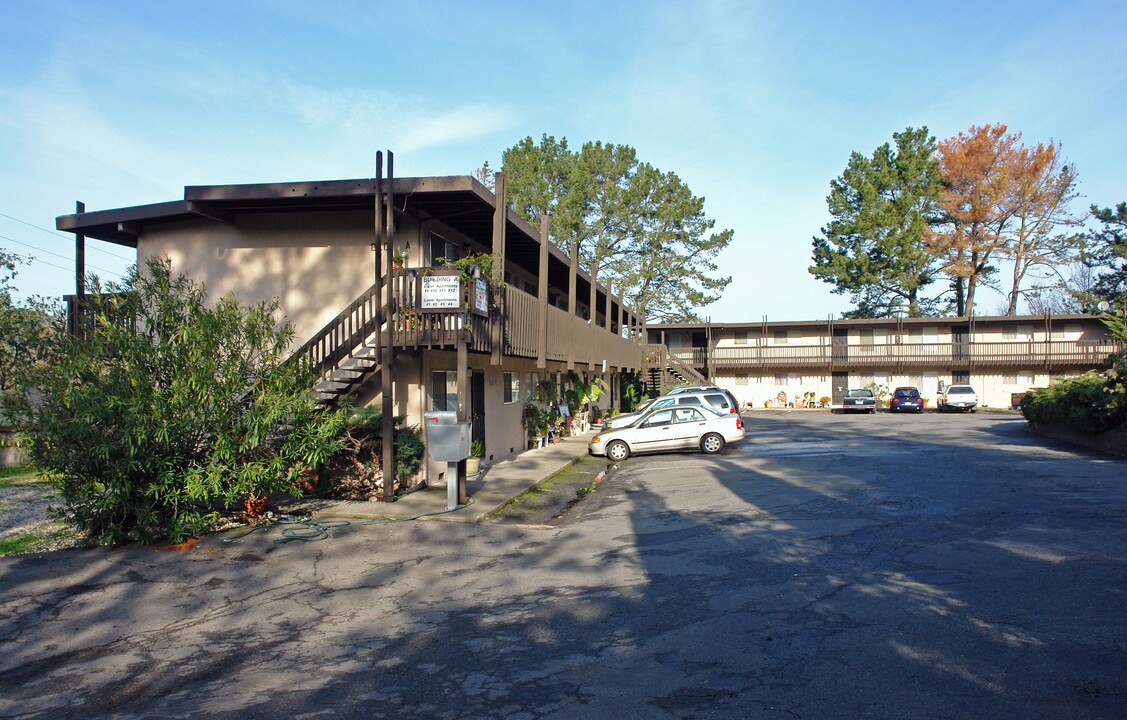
x: 906, y: 399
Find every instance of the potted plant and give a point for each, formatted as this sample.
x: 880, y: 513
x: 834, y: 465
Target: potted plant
x: 473, y: 462
x: 556, y: 426
x: 399, y: 258
x: 530, y: 419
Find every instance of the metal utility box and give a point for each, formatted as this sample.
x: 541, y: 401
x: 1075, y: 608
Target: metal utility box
x: 447, y: 439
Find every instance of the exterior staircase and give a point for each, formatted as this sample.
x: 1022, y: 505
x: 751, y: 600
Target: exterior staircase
x: 665, y: 371
x: 344, y: 353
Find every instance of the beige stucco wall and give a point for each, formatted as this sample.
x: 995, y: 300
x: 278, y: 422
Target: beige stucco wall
x: 315, y: 264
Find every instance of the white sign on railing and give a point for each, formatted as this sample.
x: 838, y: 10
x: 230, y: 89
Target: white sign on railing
x: 441, y: 292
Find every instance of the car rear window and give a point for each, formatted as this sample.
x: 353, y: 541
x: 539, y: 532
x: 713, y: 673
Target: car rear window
x: 960, y: 390
x: 718, y: 401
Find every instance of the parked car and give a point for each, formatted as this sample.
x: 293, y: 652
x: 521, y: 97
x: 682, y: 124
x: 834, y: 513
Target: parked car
x: 906, y: 399
x: 958, y: 397
x: 706, y: 388
x: 671, y: 428
x: 859, y: 400
x: 721, y: 400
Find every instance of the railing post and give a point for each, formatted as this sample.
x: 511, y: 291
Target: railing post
x: 500, y: 210
x: 386, y: 370
x: 542, y: 292
x: 571, y: 299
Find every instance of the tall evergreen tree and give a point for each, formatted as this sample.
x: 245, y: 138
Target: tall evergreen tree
x: 633, y: 224
x: 1108, y: 252
x: 876, y: 246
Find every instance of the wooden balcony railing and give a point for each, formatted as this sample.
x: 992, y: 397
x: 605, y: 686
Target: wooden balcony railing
x: 570, y: 338
x: 1054, y: 353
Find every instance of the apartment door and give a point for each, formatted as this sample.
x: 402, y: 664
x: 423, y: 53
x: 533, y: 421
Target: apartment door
x: 477, y: 406
x: 840, y: 347
x: 960, y: 347
x: 840, y: 385
x: 700, y: 351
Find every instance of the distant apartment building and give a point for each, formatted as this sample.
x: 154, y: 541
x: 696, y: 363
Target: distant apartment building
x: 1002, y: 357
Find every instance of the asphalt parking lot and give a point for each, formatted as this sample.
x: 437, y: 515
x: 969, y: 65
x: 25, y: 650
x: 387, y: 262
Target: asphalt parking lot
x: 934, y: 566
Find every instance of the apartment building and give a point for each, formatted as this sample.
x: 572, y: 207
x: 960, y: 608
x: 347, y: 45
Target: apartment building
x: 767, y: 363
x: 441, y: 340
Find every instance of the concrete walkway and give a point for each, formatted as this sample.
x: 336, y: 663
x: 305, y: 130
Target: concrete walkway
x: 497, y: 484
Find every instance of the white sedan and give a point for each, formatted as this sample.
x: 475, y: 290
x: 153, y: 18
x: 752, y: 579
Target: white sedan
x: 671, y: 428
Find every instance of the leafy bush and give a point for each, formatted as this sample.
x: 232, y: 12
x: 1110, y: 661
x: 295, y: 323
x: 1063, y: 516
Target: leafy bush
x: 356, y: 471
x: 1091, y: 403
x: 170, y: 410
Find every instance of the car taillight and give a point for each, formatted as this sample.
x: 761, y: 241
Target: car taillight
x: 739, y: 423
x: 733, y: 411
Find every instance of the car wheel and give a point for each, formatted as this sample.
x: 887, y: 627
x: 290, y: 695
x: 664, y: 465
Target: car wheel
x: 711, y: 443
x: 618, y: 451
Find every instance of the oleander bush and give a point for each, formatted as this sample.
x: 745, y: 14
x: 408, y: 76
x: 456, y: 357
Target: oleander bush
x: 1092, y: 403
x: 171, y: 410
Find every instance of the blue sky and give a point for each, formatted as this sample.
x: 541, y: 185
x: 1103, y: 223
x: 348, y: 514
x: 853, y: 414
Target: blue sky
x: 757, y: 106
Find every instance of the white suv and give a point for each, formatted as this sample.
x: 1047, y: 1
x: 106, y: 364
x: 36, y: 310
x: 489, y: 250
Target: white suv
x: 959, y: 397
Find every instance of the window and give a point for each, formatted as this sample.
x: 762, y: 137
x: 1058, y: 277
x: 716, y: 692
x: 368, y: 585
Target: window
x: 659, y: 418
x: 742, y: 379
x: 689, y: 401
x: 444, y: 390
x: 783, y: 337
x: 685, y: 415
x: 788, y: 379
x: 440, y: 247
x: 1017, y: 332
x: 512, y: 387
x: 533, y: 381
x: 740, y: 337
x: 922, y: 335
x: 1023, y: 378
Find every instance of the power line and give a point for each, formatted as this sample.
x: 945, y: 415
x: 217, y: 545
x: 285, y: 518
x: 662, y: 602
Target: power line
x: 64, y: 237
x: 64, y: 257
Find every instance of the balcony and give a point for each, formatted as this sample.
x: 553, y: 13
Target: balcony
x: 1031, y: 354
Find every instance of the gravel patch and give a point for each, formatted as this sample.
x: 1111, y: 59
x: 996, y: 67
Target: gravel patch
x: 23, y: 511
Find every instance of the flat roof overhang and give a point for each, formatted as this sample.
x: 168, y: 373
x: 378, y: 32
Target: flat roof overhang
x: 460, y: 202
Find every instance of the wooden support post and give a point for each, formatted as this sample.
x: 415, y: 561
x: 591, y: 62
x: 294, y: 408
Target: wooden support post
x: 572, y: 290
x: 80, y: 258
x: 386, y: 208
x: 463, y: 410
x: 594, y: 321
x: 377, y: 250
x: 497, y: 331
x: 542, y: 339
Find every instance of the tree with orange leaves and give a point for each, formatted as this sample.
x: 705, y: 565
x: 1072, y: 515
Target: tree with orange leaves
x: 976, y: 204
x: 1001, y: 199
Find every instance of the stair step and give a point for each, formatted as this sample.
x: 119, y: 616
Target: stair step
x: 357, y: 363
x: 332, y: 386
x: 347, y: 375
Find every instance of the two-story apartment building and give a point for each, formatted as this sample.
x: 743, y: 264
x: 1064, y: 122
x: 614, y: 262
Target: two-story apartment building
x: 761, y: 363
x: 366, y: 324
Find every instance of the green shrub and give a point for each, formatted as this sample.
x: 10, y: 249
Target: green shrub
x: 356, y: 470
x: 1091, y: 403
x: 171, y: 410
